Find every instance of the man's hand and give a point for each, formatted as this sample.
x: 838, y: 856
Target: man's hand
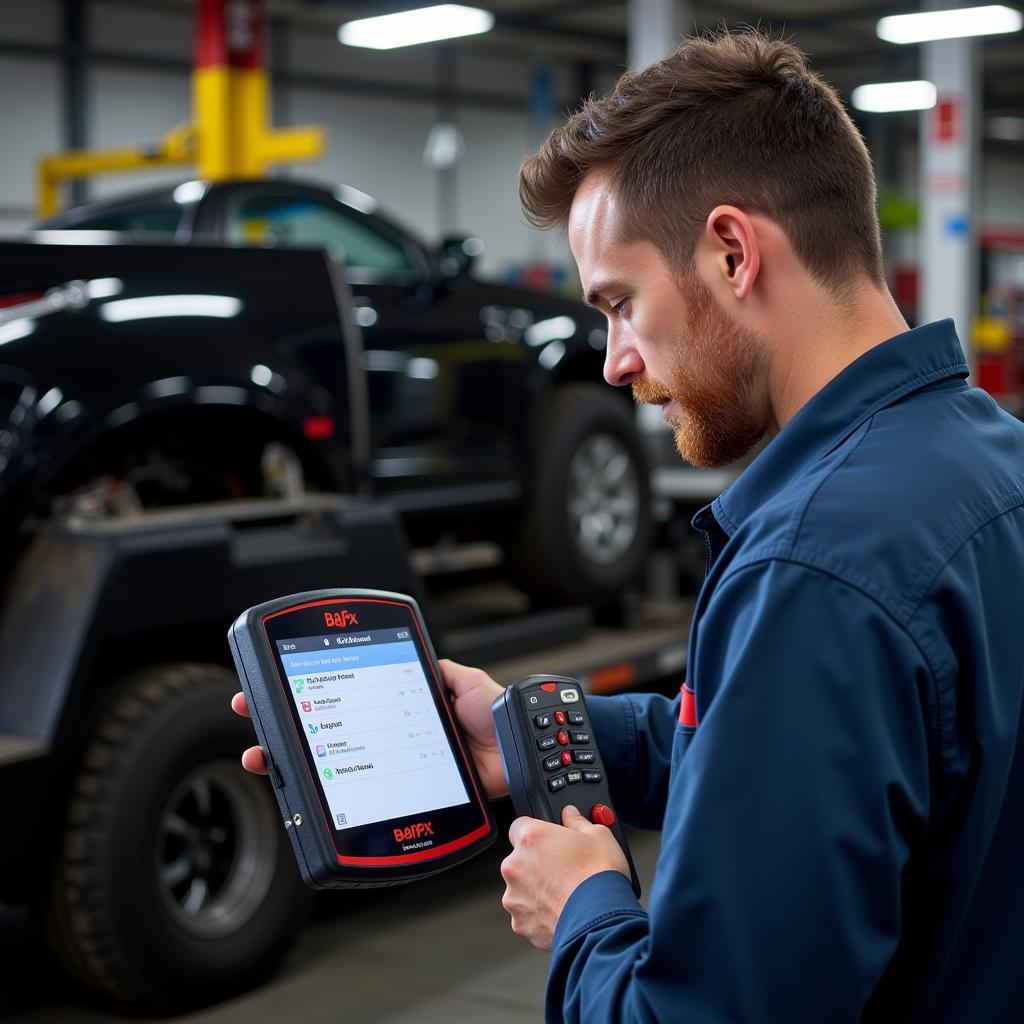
x: 546, y: 864
x: 252, y: 759
x: 473, y: 691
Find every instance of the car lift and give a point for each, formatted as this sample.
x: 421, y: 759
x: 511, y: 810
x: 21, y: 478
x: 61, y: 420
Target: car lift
x: 229, y: 135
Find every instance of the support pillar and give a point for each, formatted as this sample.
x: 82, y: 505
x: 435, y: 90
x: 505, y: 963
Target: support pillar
x: 950, y: 162
x: 74, y: 89
x: 447, y: 151
x: 655, y: 28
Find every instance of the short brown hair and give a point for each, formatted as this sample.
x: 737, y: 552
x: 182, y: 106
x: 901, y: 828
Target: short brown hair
x: 732, y: 118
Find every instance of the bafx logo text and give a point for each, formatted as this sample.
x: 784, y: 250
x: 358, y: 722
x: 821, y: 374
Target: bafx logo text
x: 341, y: 619
x: 417, y: 831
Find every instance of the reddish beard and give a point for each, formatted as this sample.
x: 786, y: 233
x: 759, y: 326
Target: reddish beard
x: 716, y: 383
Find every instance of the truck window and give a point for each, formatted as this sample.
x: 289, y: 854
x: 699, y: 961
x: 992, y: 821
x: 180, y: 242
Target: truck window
x: 299, y: 221
x: 157, y: 218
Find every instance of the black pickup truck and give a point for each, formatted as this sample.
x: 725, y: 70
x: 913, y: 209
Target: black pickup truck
x: 477, y: 408
x: 155, y: 401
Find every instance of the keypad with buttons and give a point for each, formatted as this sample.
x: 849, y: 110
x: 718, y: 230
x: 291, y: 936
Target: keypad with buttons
x: 565, y: 766
x: 578, y: 741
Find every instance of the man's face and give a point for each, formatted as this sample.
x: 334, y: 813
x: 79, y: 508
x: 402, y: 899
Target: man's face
x: 669, y: 338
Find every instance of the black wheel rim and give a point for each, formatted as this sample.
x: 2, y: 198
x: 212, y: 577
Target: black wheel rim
x: 603, y: 499
x: 216, y: 850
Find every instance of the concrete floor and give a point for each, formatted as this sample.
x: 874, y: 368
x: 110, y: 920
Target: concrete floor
x: 440, y: 952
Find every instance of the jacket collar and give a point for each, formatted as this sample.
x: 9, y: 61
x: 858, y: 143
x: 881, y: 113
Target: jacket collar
x: 883, y: 375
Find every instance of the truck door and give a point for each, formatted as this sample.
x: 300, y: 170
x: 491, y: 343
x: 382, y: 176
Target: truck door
x: 439, y: 393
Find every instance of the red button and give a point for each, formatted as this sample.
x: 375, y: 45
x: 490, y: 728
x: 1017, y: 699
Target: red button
x: 602, y: 814
x: 566, y: 757
x: 560, y: 718
x: 562, y: 737
x: 548, y: 687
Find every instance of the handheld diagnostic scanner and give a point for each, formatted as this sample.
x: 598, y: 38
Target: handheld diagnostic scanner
x: 367, y: 761
x: 550, y: 756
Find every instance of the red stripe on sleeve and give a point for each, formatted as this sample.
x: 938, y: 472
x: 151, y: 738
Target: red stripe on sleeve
x: 688, y: 706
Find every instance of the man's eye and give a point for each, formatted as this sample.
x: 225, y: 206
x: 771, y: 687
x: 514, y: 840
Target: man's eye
x: 620, y: 307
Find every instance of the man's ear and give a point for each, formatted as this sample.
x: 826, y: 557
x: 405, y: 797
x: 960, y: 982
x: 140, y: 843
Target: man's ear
x: 731, y: 249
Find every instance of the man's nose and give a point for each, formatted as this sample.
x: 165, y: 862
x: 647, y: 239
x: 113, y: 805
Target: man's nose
x: 622, y: 362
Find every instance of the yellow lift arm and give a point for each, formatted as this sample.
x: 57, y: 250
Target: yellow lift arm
x: 229, y: 136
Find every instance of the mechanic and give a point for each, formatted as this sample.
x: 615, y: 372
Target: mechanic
x: 840, y: 784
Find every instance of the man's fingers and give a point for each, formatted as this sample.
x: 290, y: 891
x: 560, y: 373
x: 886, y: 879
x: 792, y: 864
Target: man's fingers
x: 254, y: 761
x: 457, y: 677
x: 461, y: 679
x: 526, y: 831
x: 571, y: 818
x: 515, y: 831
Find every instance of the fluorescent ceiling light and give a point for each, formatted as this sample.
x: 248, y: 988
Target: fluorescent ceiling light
x: 445, y: 146
x: 884, y: 97
x: 408, y: 28
x: 955, y: 24
x: 148, y: 306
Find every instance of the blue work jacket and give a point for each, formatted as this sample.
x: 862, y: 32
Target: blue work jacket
x: 840, y: 785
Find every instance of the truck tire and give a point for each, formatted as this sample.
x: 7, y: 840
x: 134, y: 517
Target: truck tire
x: 586, y: 531
x: 172, y: 883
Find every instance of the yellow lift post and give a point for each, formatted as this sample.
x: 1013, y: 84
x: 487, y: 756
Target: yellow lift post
x: 229, y: 135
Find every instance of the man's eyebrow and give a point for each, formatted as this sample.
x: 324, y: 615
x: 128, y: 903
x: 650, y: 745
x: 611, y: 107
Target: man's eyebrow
x: 593, y: 297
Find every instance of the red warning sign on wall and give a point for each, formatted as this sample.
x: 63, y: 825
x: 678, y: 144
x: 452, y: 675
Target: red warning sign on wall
x: 947, y: 120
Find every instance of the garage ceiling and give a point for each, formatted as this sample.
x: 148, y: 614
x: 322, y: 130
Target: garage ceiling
x: 839, y: 35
